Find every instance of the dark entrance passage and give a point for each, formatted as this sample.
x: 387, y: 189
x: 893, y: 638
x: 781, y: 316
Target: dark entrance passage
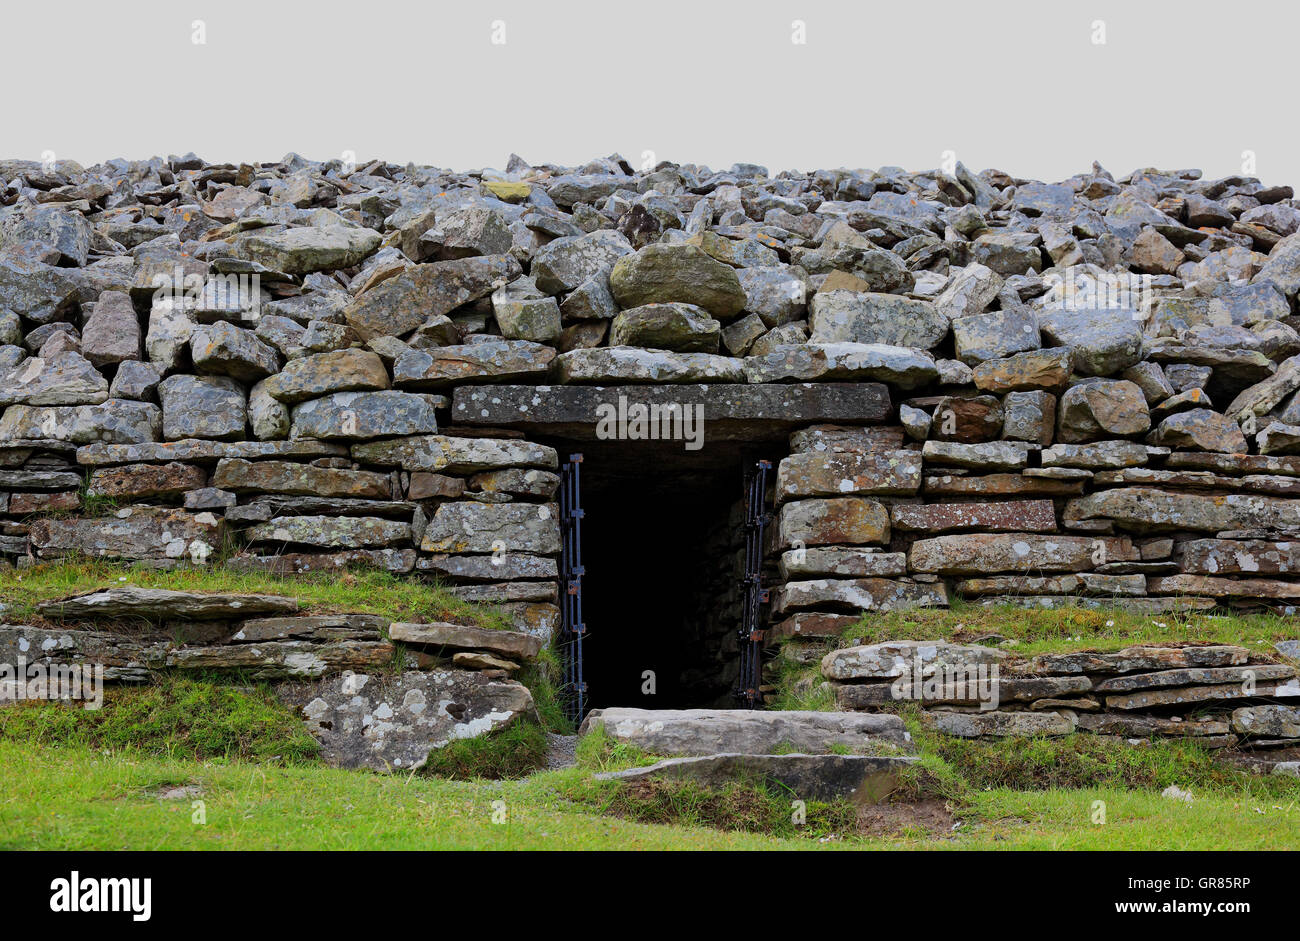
x: 663, y: 552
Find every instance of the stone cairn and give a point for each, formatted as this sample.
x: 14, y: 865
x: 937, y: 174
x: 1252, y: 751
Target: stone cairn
x: 1077, y: 392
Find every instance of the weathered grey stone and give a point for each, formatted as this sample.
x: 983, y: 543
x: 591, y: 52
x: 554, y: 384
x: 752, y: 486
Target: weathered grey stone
x: 1023, y: 516
x: 361, y: 532
x: 994, y: 455
x: 116, y: 422
x: 777, y: 293
x: 223, y: 349
x: 860, y: 779
x: 841, y: 561
x: 1194, y: 676
x: 134, y: 380
x: 484, y: 527
x: 65, y: 378
x: 149, y: 481
x: 1101, y: 455
x: 999, y: 724
x: 563, y: 264
x: 627, y: 364
x: 810, y: 474
x: 159, y: 603
x: 112, y: 332
x: 286, y: 659
x: 732, y: 411
x: 436, y: 453
x: 838, y: 521
x: 321, y: 627
x: 359, y: 415
x: 137, y: 532
x: 993, y: 335
x: 1200, y: 429
x: 1102, y: 340
x: 863, y: 317
x: 857, y: 594
x: 496, y: 567
x: 310, y: 377
x: 389, y: 722
x: 97, y: 455
x: 903, y: 658
x: 1273, y: 721
x: 512, y: 644
x: 124, y: 659
x: 715, y: 731
x: 285, y: 477
x: 904, y: 368
x: 402, y: 303
x: 202, y: 407
x: 303, y: 250
x: 1139, y: 659
x: 982, y: 553
x: 971, y: 291
x: 502, y: 361
x: 1143, y: 509
x: 681, y: 328
x: 684, y: 273
x: 1102, y: 409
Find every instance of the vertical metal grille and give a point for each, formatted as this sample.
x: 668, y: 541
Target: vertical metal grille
x: 753, y: 594
x: 572, y: 627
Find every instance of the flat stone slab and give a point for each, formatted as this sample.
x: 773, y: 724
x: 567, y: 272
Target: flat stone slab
x: 125, y: 659
x: 722, y: 731
x: 862, y: 779
x: 513, y: 644
x: 391, y: 722
x: 1138, y: 659
x: 327, y: 627
x: 732, y: 411
x: 195, y: 449
x: 998, y: 724
x: 159, y: 603
x: 286, y: 659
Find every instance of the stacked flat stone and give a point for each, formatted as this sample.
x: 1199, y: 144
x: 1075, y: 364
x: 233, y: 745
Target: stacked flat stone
x: 1220, y: 695
x: 368, y: 705
x: 1086, y: 388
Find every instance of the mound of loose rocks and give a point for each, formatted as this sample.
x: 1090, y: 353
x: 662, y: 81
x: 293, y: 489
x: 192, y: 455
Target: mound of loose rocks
x: 1039, y: 391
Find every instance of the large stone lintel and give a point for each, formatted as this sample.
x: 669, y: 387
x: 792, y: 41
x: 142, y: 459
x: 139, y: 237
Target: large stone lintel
x: 732, y: 411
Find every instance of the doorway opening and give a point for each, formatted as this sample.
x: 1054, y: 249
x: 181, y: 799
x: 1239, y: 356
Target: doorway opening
x: 663, y: 552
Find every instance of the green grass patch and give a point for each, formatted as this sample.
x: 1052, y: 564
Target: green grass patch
x: 71, y: 797
x: 600, y: 751
x: 747, y: 806
x: 1037, y: 631
x: 356, y: 590
x: 173, y: 717
x: 515, y: 751
x: 1083, y: 760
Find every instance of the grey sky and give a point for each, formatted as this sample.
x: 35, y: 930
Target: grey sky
x: 1012, y: 84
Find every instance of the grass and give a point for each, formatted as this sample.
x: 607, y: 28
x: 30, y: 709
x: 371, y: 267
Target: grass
x: 1040, y: 631
x: 73, y: 797
x: 71, y: 778
x: 175, y: 717
x: 1024, y: 633
x: 354, y: 591
x: 515, y: 751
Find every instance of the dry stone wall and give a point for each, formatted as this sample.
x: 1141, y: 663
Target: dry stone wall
x: 989, y: 386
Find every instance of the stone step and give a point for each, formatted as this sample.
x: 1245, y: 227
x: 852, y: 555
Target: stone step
x: 747, y: 732
x: 863, y: 779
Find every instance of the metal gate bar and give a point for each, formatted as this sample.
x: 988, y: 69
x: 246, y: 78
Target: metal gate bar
x: 753, y: 594
x: 572, y: 628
